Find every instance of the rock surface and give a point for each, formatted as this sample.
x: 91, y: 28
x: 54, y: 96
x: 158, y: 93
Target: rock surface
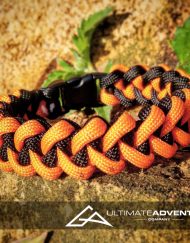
x: 138, y: 32
x: 32, y: 35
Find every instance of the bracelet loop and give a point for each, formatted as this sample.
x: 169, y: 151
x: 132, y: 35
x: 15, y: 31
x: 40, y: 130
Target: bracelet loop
x: 30, y: 145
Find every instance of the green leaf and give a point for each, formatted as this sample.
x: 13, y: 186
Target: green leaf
x: 79, y: 63
x: 81, y: 53
x: 66, y: 66
x: 98, y: 88
x: 82, y: 41
x: 104, y: 112
x: 181, y: 45
x: 55, y: 75
x: 93, y: 20
x: 63, y: 75
x: 108, y: 66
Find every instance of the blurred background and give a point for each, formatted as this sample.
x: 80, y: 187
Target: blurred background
x: 32, y: 35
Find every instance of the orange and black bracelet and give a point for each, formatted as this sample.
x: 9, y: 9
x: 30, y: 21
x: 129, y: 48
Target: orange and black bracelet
x: 29, y: 145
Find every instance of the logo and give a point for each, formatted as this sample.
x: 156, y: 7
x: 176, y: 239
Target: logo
x: 151, y: 215
x: 91, y: 218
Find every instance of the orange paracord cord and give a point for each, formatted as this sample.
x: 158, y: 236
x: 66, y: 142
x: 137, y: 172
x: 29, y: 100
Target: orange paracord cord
x: 30, y: 146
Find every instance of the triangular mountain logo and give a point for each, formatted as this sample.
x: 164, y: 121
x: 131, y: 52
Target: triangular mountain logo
x: 95, y: 217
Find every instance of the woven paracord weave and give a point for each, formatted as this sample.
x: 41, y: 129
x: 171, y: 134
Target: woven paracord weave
x: 29, y: 145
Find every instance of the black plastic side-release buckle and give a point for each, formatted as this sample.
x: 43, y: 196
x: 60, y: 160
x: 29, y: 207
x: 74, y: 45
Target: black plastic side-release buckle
x: 81, y: 92
x: 75, y: 93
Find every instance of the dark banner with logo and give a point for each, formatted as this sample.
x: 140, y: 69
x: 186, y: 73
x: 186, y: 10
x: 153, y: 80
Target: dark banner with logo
x: 94, y: 215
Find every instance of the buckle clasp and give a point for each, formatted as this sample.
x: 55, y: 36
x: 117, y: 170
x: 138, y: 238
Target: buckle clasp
x: 81, y: 92
x: 75, y: 93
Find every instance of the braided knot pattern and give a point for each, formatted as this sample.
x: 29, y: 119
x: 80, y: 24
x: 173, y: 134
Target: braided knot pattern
x: 29, y: 145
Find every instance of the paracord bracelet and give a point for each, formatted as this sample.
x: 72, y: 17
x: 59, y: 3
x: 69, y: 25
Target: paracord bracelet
x: 30, y: 145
